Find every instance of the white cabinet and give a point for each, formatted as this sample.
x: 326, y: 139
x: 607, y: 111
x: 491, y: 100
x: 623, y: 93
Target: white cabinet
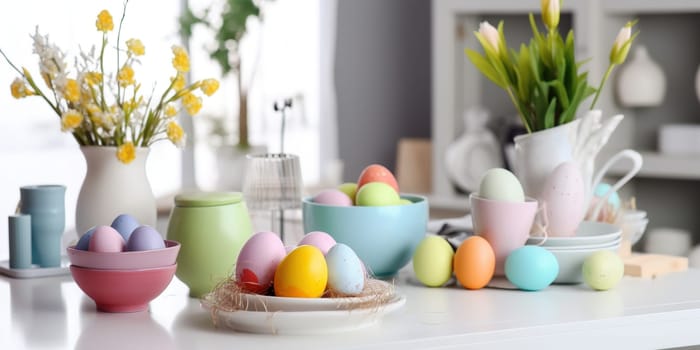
x: 667, y: 186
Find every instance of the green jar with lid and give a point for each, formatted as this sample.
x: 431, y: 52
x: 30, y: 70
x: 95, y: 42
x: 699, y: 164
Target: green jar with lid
x: 211, y: 228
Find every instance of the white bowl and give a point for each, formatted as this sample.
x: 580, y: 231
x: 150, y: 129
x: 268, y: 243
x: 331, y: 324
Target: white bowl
x: 571, y: 262
x: 588, y: 233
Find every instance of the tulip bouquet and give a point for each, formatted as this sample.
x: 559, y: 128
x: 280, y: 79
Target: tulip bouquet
x: 104, y: 109
x: 543, y: 79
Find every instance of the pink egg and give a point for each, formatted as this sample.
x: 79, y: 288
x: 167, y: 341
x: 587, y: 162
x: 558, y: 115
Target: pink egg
x: 333, y: 197
x: 318, y: 239
x: 105, y: 239
x: 258, y: 260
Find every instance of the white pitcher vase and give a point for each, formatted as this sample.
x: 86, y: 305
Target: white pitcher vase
x: 111, y: 188
x: 538, y: 153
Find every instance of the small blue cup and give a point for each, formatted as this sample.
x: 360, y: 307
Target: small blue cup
x: 20, y: 236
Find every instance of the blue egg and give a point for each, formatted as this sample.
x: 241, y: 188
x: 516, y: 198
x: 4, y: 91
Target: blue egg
x: 125, y: 224
x: 345, y: 273
x: 84, y: 241
x: 614, y: 198
x: 145, y: 238
x: 531, y: 268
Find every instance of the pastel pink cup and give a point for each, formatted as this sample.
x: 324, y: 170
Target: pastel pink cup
x: 505, y: 225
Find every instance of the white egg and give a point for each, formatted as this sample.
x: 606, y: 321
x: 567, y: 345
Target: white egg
x: 501, y: 185
x: 563, y: 197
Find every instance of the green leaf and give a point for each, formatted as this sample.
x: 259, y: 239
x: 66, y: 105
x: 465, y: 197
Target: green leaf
x: 550, y: 114
x: 483, y: 65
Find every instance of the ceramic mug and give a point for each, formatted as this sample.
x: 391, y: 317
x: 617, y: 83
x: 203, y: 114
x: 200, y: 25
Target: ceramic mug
x: 211, y: 228
x: 505, y: 225
x: 46, y: 205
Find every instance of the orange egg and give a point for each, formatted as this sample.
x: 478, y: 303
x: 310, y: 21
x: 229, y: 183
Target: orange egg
x: 377, y: 173
x: 474, y: 263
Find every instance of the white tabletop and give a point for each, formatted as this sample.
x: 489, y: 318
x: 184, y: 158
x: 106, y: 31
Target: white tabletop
x: 53, y: 312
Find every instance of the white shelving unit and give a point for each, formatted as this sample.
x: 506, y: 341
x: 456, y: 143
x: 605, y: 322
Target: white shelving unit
x: 667, y: 28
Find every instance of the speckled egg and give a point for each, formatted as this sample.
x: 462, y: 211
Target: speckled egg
x: 346, y: 275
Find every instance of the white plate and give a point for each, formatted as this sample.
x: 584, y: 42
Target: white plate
x: 585, y: 247
x: 305, y: 322
x: 257, y: 302
x: 35, y: 271
x: 588, y: 233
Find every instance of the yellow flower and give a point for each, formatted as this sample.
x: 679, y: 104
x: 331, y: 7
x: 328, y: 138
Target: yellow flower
x: 20, y: 89
x: 126, y: 152
x: 209, y: 86
x: 104, y: 21
x: 192, y: 103
x: 93, y: 109
x: 181, y: 61
x: 93, y: 78
x: 70, y: 120
x: 126, y: 76
x: 178, y: 82
x: 170, y: 110
x: 176, y: 134
x: 135, y: 47
x: 71, y: 91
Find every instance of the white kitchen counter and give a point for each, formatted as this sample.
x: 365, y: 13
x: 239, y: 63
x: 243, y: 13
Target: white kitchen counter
x: 53, y: 312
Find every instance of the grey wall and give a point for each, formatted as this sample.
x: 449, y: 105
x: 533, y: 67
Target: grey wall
x: 382, y: 76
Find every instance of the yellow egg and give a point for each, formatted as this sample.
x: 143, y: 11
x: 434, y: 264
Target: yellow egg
x: 303, y: 273
x: 432, y: 261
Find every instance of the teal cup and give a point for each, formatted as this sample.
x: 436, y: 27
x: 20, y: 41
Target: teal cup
x: 20, y: 236
x: 384, y: 237
x: 46, y: 205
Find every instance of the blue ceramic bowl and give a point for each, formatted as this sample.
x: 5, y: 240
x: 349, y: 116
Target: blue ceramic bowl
x: 383, y: 237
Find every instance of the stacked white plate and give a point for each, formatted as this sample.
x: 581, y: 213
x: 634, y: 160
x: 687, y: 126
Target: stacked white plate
x: 570, y: 252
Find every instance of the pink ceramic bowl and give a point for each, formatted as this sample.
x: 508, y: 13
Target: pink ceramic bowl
x: 123, y: 290
x: 145, y: 259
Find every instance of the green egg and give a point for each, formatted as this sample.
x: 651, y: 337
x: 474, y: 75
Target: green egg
x: 603, y: 269
x: 432, y: 261
x: 501, y: 185
x: 349, y: 188
x: 376, y: 194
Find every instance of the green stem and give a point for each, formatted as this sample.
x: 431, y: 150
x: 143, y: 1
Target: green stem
x: 119, y: 34
x: 520, y: 111
x: 102, y: 71
x: 602, y: 83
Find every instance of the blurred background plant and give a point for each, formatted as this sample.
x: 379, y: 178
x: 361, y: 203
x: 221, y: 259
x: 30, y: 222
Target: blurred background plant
x: 229, y: 28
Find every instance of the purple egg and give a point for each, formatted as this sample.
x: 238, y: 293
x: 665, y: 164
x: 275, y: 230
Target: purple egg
x: 125, y: 224
x: 84, y: 241
x: 333, y: 197
x: 145, y: 238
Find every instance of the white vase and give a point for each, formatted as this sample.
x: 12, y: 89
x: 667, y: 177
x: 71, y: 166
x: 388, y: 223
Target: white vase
x: 111, y: 188
x: 641, y: 81
x: 539, y: 153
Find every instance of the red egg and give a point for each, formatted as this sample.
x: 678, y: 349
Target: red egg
x: 377, y: 173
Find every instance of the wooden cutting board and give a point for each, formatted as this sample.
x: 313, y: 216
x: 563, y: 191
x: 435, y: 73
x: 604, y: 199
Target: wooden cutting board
x: 653, y: 265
